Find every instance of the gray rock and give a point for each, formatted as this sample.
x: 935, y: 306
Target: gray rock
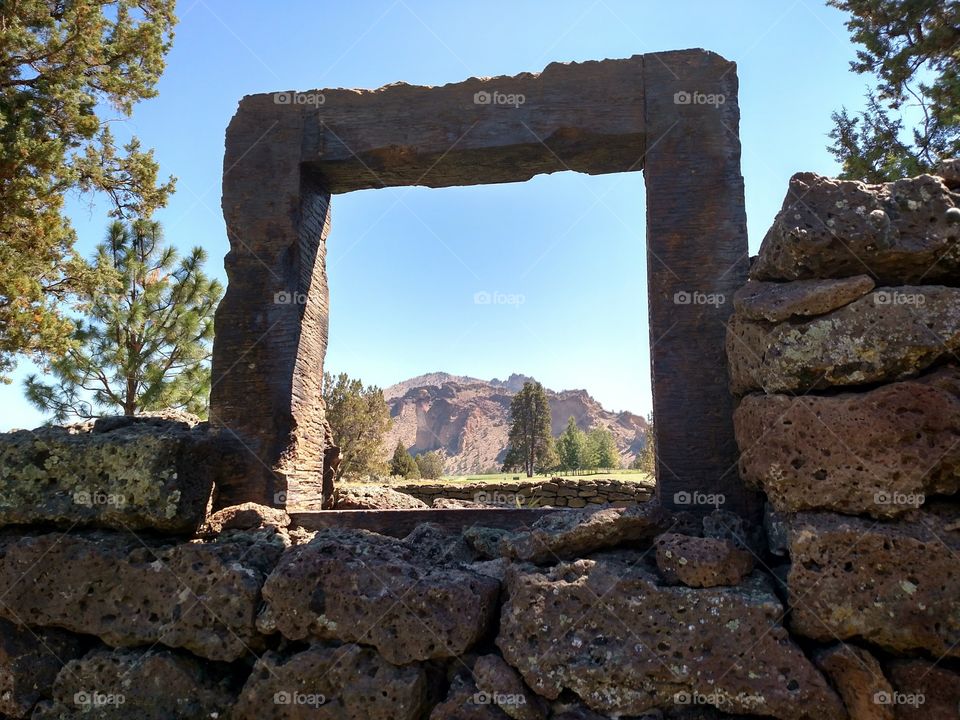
x: 30, y: 659
x: 773, y: 302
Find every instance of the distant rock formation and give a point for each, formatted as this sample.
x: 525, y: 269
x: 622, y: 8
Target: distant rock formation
x: 467, y: 419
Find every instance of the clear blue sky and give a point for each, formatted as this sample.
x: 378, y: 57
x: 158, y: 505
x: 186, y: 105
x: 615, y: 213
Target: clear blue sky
x: 405, y: 264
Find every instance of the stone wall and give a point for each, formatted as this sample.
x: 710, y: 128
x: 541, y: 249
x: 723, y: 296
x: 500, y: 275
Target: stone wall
x: 121, y: 596
x: 556, y: 492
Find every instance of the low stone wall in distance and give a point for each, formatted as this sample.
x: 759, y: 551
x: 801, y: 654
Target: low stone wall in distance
x: 556, y: 492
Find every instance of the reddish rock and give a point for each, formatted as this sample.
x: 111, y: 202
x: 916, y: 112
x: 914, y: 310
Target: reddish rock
x: 30, y: 659
x: 357, y: 586
x: 891, y: 334
x: 898, y: 232
x: 701, y: 562
x: 199, y: 596
x: 246, y: 516
x: 773, y: 302
x: 923, y: 691
x: 465, y: 701
x: 572, y: 534
x: 374, y: 497
x: 879, y: 452
x: 151, y: 685
x: 857, y: 676
x: 502, y: 685
x: 607, y: 630
x: 332, y: 682
x: 894, y: 585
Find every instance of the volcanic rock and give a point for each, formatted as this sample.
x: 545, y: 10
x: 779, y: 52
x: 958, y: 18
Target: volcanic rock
x: 30, y: 660
x: 858, y: 678
x: 880, y: 452
x: 133, y: 474
x: 199, y: 596
x: 151, y: 685
x: 891, y: 334
x: 701, y: 562
x: 894, y: 585
x: 505, y: 688
x: 773, y: 302
x: 922, y: 690
x: 357, y: 586
x: 335, y: 682
x: 607, y: 630
x: 373, y: 497
x: 898, y: 232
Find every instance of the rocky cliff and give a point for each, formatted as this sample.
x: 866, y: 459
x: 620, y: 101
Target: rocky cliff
x: 467, y: 419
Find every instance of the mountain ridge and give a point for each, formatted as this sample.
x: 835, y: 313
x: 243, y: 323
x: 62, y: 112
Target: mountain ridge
x: 467, y: 418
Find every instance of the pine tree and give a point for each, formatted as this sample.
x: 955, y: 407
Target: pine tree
x: 913, y: 50
x: 603, y: 448
x: 430, y: 465
x: 572, y: 447
x: 530, y: 437
x: 62, y: 63
x: 403, y: 465
x: 359, y: 418
x: 142, y: 341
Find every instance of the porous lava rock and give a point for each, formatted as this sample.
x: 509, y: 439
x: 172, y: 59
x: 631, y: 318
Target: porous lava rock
x: 609, y: 631
x: 922, y: 690
x: 199, y: 596
x: 897, y: 232
x: 701, y: 562
x: 30, y: 659
x: 373, y: 497
x: 246, y: 516
x: 131, y: 474
x: 894, y: 585
x: 879, y: 452
x: 858, y: 677
x: 504, y: 687
x: 890, y: 334
x: 357, y: 586
x: 332, y: 682
x: 565, y: 535
x: 776, y: 301
x: 148, y: 685
x: 465, y: 701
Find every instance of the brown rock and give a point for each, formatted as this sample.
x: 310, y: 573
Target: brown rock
x: 485, y: 540
x: 200, y: 596
x: 374, y: 497
x: 701, y: 562
x: 564, y: 535
x: 357, y: 586
x: 923, y: 691
x: 879, y: 452
x: 949, y: 170
x: 859, y: 679
x: 890, y: 334
x: 773, y: 302
x: 440, y: 545
x: 151, y: 685
x: 30, y: 660
x: 894, y: 585
x: 505, y: 688
x: 122, y: 473
x: 247, y: 516
x: 607, y: 630
x: 898, y: 232
x: 332, y: 682
x: 465, y: 702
